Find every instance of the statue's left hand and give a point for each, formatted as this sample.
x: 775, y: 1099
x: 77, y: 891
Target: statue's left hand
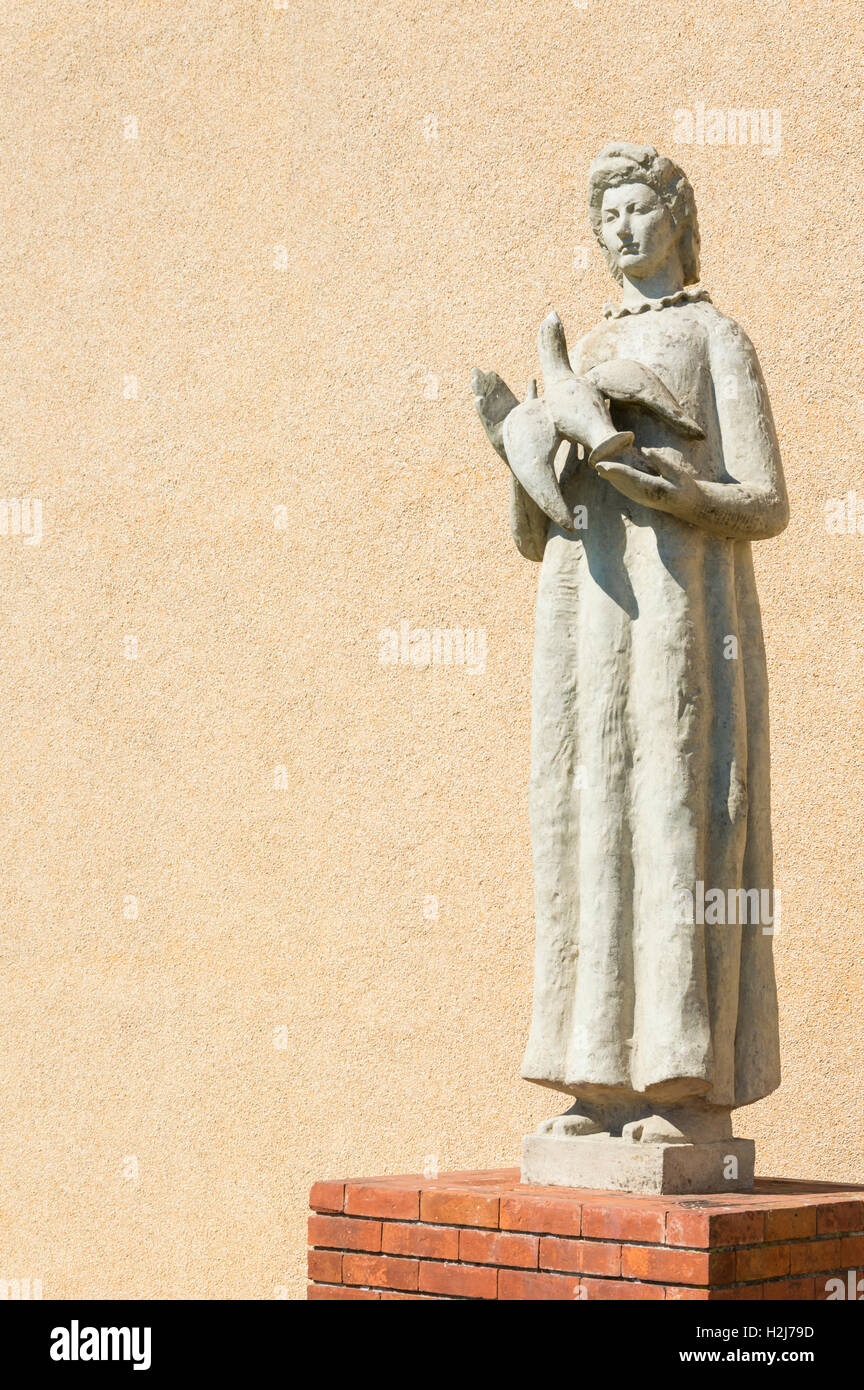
x: 654, y: 477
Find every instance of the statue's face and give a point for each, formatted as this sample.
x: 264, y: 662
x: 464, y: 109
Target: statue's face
x: 637, y: 229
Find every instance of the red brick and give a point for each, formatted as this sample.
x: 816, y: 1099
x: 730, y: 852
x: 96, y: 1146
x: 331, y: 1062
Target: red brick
x: 557, y: 1216
x: 329, y: 1292
x: 388, y: 1203
x: 761, y: 1262
x: 397, y: 1203
x: 674, y: 1266
x: 813, y: 1256
x: 501, y: 1179
x: 458, y: 1280
x: 840, y: 1218
x: 622, y: 1220
x: 790, y: 1223
x: 380, y: 1271
x: 341, y: 1233
x: 478, y: 1235
x: 454, y: 1208
x: 580, y: 1256
x: 705, y: 1229
x: 620, y: 1290
x: 740, y: 1293
x: 789, y: 1290
x: 431, y: 1242
x: 499, y: 1248
x: 327, y: 1196
x: 325, y: 1266
x: 852, y: 1251
x: 528, y: 1285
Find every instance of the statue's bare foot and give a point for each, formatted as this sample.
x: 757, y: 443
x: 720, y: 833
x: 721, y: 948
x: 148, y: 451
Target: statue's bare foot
x: 493, y: 401
x: 654, y: 1129
x: 573, y: 1123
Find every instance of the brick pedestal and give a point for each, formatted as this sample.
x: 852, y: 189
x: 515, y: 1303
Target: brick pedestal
x: 485, y: 1235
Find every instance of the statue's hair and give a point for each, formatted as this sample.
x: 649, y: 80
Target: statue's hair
x: 623, y: 163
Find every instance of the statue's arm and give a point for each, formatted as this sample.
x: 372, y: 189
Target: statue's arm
x: 752, y: 505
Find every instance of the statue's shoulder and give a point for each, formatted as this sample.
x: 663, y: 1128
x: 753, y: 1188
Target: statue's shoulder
x: 725, y: 334
x: 717, y: 324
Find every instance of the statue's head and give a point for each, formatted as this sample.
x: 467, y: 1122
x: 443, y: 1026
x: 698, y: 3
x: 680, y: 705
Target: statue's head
x: 643, y: 212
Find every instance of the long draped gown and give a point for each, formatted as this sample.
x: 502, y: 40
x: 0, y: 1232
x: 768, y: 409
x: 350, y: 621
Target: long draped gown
x: 650, y: 756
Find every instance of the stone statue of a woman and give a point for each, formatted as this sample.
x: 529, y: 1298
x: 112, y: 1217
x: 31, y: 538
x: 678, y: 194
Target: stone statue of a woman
x: 656, y: 1014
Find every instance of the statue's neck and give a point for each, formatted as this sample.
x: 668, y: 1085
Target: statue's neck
x: 669, y: 280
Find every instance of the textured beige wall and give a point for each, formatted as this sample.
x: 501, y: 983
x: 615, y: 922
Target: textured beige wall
x: 282, y: 1009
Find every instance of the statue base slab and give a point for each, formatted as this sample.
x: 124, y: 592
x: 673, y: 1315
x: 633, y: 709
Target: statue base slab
x: 622, y: 1165
x: 486, y: 1235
